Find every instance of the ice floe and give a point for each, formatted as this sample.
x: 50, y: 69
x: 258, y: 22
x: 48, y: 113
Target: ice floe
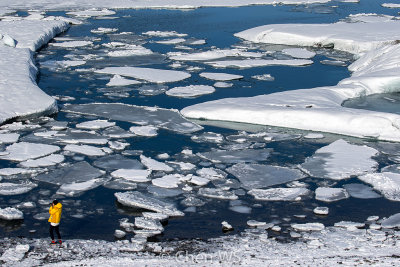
x: 92, y: 13
x: 260, y: 176
x: 139, y: 200
x: 133, y: 175
x: 299, y: 53
x: 217, y: 193
x: 308, y: 226
x: 163, y: 118
x: 387, y: 183
x: 392, y: 222
x: 236, y: 156
x: 341, y: 160
x: 164, y: 34
x: 50, y: 160
x: 251, y: 63
x: 148, y: 224
x: 95, y: 124
x: 23, y: 151
x: 217, y: 76
x: 263, y: 77
x: 147, y: 74
x: 321, y: 210
x: 279, y: 194
x: 190, y: 91
x: 155, y: 165
x: 212, y: 54
x: 149, y: 131
x: 75, y: 188
x: 85, y: 150
x: 11, y: 214
x: 7, y: 138
x: 374, y: 71
x: 9, y: 189
x: 167, y: 181
x: 118, y: 80
x: 328, y: 194
x: 361, y: 191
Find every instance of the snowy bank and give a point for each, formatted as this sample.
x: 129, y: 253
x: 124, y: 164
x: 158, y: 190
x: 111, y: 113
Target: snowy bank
x: 170, y: 4
x: 371, y: 38
x: 19, y: 94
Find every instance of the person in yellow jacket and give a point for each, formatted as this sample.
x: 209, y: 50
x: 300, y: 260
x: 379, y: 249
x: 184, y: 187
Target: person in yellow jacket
x: 54, y: 220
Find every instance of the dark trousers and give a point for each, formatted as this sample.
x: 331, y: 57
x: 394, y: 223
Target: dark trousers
x: 57, y: 232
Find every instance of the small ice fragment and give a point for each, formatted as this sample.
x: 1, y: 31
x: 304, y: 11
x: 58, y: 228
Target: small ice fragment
x: 308, y: 226
x: 148, y: 224
x: 149, y: 131
x: 226, y: 226
x: 155, y: 165
x: 85, y: 150
x: 200, y: 181
x: 23, y: 151
x: 328, y: 194
x: 388, y: 183
x: 155, y: 216
x: 278, y: 194
x: 119, y: 234
x: 299, y: 53
x: 190, y: 91
x: 50, y: 160
x: 218, y: 76
x: 223, y: 85
x: 361, y: 191
x: 217, y: 193
x: 254, y: 223
x: 75, y: 188
x: 263, y: 77
x: 391, y: 222
x: 276, y: 228
x: 95, y: 124
x: 167, y: 181
x: 372, y: 218
x: 133, y: 175
x: 321, y: 210
x: 8, y: 138
x: 348, y: 224
x: 9, y: 189
x: 314, y: 136
x: 11, y: 214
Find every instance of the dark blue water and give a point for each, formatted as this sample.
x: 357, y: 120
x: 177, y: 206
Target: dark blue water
x: 216, y: 26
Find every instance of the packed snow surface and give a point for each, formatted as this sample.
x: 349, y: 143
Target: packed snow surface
x: 375, y: 71
x: 341, y: 160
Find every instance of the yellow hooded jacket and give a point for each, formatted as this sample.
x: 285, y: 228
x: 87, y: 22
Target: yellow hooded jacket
x: 55, y: 213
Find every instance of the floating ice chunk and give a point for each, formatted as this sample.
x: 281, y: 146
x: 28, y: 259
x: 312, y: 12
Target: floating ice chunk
x: 387, y: 183
x: 211, y: 173
x: 212, y: 54
x: 279, y: 194
x: 155, y: 216
x: 226, y: 226
x: 119, y: 234
x: 15, y: 171
x: 183, y: 166
x: 95, y: 124
x: 314, y: 136
x: 335, y: 161
x: 154, y: 164
x: 373, y: 218
x: 167, y: 181
x: 360, y: 191
x: 117, y: 80
x: 148, y: 224
x: 116, y: 145
x: 13, y: 255
x: 164, y: 192
x: 149, y: 131
x: 200, y: 181
x: 217, y: 193
x: 299, y: 53
x: 120, y: 184
x: 223, y: 85
x: 8, y: 40
x: 220, y: 76
x: 328, y: 194
x: 259, y: 176
x: 72, y: 44
x: 114, y: 162
x: 23, y: 151
x: 50, y: 160
x: 308, y: 226
x: 164, y: 33
x: 91, y: 13
x: 391, y: 222
x: 241, y: 209
x: 11, y: 214
x: 190, y: 91
x: 139, y: 200
x: 102, y: 30
x: 78, y: 172
x: 130, y: 50
x: 133, y: 175
x: 117, y: 132
x: 251, y: 63
x: 26, y: 205
x: 263, y: 77
x: 162, y: 118
x: 172, y: 41
x: 254, y: 223
x: 237, y: 156
x: 147, y: 74
x: 391, y: 5
x: 321, y: 210
x: 334, y: 63
x: 349, y: 225
x: 7, y: 138
x: 208, y: 137
x: 79, y: 187
x: 85, y: 150
x: 9, y: 189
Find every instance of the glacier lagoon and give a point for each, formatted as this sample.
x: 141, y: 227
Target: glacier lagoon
x: 68, y: 72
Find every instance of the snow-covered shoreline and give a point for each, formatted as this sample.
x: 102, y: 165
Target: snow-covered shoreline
x: 320, y: 109
x: 19, y: 94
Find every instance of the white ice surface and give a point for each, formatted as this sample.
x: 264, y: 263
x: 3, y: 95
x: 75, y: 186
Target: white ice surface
x: 308, y: 226
x: 217, y: 193
x: 341, y: 160
x: 19, y: 94
x: 217, y: 76
x: 391, y: 5
x: 172, y: 41
x: 375, y: 71
x: 7, y: 138
x: 328, y: 194
x: 190, y: 91
x: 251, y: 63
x: 387, y: 183
x: 95, y: 124
x: 23, y: 151
x: 117, y: 80
x: 10, y: 189
x: 11, y: 214
x: 149, y: 131
x: 212, y: 55
x: 155, y: 165
x: 134, y: 175
x: 164, y: 34
x: 85, y: 150
x: 279, y: 194
x: 147, y: 74
x: 167, y: 181
x: 79, y: 187
x: 49, y: 160
x: 72, y: 44
x: 299, y: 53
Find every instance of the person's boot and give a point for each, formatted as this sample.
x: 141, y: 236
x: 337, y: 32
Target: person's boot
x: 60, y: 242
x: 53, y: 242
